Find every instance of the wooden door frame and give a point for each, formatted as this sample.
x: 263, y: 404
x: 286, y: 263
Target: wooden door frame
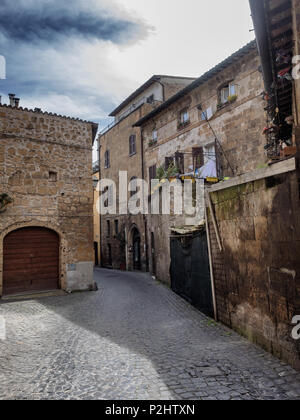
x: 62, y: 249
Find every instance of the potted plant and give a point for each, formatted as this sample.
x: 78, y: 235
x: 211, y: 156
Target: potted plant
x: 232, y: 98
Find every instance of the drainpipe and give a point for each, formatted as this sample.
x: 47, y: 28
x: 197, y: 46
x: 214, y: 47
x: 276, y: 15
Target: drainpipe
x: 212, y: 279
x: 258, y: 13
x: 100, y: 220
x: 144, y: 216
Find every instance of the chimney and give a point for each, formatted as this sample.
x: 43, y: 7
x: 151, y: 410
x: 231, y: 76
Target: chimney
x: 17, y: 102
x: 12, y: 99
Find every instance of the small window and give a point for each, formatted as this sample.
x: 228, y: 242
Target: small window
x: 184, y: 117
x: 209, y: 153
x: 155, y: 136
x: 168, y: 162
x: 198, y: 157
x: 52, y: 176
x: 132, y: 193
x: 179, y: 162
x: 116, y: 227
x: 150, y: 99
x: 107, y: 159
x: 152, y: 172
x: 108, y: 228
x: 226, y: 92
x: 206, y: 115
x: 132, y: 145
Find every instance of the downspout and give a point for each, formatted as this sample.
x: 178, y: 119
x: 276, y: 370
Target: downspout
x: 212, y: 278
x: 262, y: 38
x: 100, y: 220
x: 144, y: 216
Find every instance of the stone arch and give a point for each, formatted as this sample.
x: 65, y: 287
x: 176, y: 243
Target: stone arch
x: 47, y: 225
x: 135, y: 243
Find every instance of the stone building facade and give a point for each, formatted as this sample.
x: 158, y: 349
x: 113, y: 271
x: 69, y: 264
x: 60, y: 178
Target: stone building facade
x: 235, y: 124
x: 45, y: 170
x: 123, y: 236
x: 97, y: 243
x: 253, y: 216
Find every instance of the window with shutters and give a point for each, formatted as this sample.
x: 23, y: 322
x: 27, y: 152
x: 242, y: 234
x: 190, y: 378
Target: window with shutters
x: 227, y: 94
x: 108, y: 228
x: 184, y: 118
x: 132, y: 145
x: 152, y: 172
x: 116, y: 227
x: 107, y: 159
x: 179, y: 162
x: 155, y: 136
x: 168, y: 162
x: 133, y: 185
x: 207, y: 114
x: 198, y: 157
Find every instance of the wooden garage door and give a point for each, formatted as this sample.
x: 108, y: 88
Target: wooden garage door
x: 30, y: 261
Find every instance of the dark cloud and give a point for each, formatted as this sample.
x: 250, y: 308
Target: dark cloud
x: 56, y: 50
x: 52, y: 20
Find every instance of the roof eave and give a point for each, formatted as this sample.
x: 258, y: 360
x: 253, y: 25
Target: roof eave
x: 136, y: 93
x: 259, y: 20
x: 198, y: 82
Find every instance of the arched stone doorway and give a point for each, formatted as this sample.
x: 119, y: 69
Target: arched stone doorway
x: 30, y: 260
x: 136, y: 249
x: 153, y: 260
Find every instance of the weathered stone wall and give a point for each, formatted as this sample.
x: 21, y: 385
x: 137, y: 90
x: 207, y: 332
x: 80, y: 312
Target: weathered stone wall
x: 174, y: 85
x: 257, y: 275
x: 296, y: 29
x: 116, y: 141
x: 238, y: 127
x: 46, y: 167
x: 96, y: 221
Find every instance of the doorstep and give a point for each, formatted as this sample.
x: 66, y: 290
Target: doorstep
x: 33, y: 295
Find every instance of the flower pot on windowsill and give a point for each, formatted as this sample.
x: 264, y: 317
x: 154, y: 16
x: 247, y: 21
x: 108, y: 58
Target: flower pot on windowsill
x: 231, y: 100
x: 152, y: 143
x: 182, y: 125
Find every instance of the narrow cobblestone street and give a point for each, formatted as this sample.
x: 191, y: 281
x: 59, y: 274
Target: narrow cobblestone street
x: 133, y: 339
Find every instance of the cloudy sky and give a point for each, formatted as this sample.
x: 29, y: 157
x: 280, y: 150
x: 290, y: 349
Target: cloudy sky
x: 82, y: 57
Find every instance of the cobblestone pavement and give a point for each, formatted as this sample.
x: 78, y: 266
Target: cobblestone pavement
x: 133, y: 339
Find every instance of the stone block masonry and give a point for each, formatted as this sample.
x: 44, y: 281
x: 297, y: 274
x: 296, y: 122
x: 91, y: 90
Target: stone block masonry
x: 257, y: 275
x: 46, y: 169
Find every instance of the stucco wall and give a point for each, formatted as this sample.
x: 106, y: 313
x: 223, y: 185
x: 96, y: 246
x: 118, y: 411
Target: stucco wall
x: 46, y: 167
